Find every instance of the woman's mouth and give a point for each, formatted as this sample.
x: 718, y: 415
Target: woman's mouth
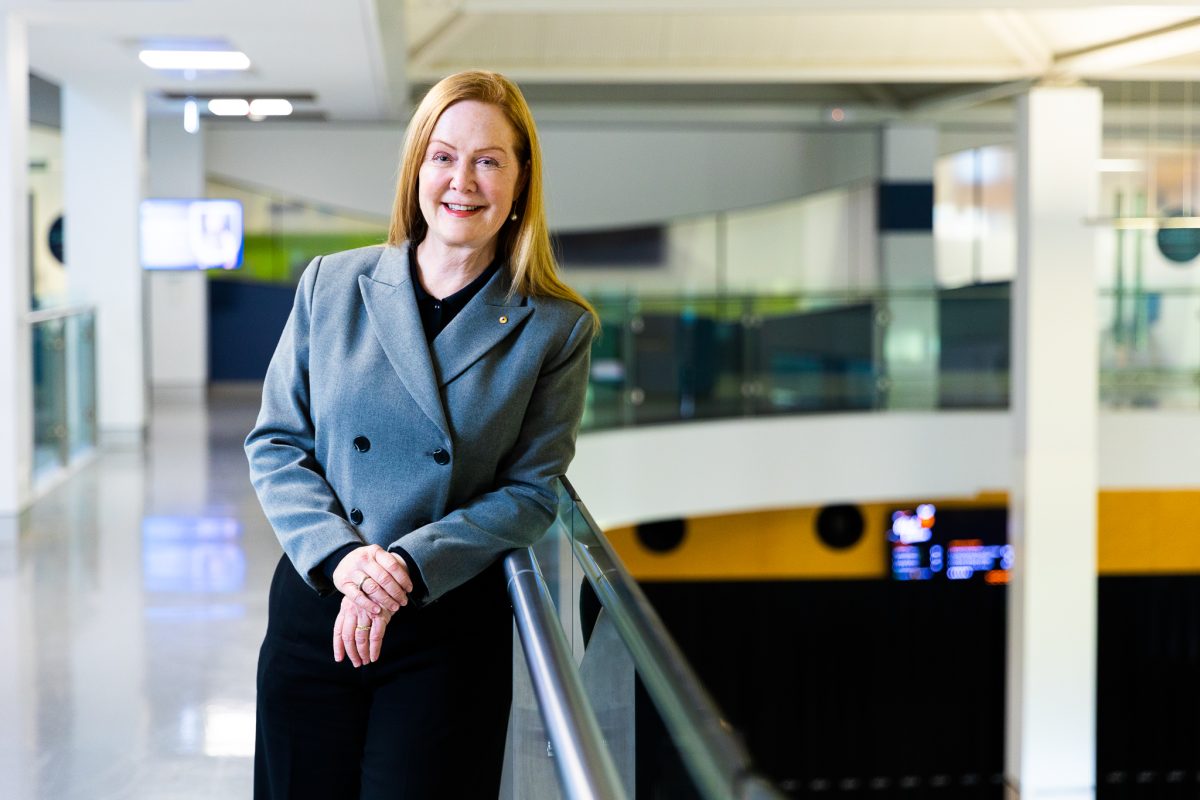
x: 458, y: 210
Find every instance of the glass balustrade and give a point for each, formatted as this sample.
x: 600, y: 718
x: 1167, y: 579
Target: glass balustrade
x: 665, y: 359
x: 64, y: 388
x: 664, y: 734
x: 668, y: 359
x: 1150, y: 348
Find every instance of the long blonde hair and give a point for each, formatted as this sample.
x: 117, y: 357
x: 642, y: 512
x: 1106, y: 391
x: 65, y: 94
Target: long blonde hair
x: 525, y: 243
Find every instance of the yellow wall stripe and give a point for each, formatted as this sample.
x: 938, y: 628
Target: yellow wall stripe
x: 1139, y: 533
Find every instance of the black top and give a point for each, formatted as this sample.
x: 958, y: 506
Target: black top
x: 435, y: 316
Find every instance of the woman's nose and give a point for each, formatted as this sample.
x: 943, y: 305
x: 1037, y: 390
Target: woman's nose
x: 463, y: 179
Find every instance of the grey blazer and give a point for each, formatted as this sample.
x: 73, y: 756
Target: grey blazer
x: 450, y: 449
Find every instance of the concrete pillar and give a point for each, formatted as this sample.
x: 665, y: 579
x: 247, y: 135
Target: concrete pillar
x: 906, y: 264
x: 16, y: 370
x: 1051, y: 724
x: 103, y: 160
x: 178, y: 301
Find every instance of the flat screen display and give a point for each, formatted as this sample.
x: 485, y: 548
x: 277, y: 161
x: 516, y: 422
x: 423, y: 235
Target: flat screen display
x: 954, y: 544
x: 191, y: 234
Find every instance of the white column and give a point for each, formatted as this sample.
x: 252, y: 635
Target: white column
x: 177, y: 301
x: 16, y: 370
x: 16, y: 401
x: 103, y: 160
x: 1051, y: 725
x: 906, y: 263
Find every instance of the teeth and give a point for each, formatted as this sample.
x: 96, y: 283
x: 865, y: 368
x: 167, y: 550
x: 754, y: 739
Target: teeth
x: 457, y: 207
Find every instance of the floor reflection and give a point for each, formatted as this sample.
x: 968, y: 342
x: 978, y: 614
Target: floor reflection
x: 133, y: 598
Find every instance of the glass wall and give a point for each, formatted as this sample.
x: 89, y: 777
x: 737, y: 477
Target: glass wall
x: 283, y: 234
x: 973, y: 224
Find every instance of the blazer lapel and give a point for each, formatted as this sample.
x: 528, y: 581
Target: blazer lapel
x: 485, y: 321
x: 388, y: 296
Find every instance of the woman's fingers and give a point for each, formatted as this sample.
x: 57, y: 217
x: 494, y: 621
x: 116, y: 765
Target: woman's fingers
x: 376, y: 580
x: 358, y: 634
x: 349, y: 621
x: 375, y: 641
x: 339, y: 647
x: 362, y: 633
x: 396, y: 567
x: 381, y: 585
x: 350, y: 589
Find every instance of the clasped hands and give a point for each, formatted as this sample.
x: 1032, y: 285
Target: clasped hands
x: 375, y: 584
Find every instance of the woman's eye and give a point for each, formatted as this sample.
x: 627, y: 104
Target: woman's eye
x: 440, y: 158
x: 489, y: 163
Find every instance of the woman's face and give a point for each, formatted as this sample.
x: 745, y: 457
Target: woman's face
x: 470, y: 177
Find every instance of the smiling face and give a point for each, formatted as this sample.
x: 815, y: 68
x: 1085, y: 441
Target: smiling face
x: 469, y: 178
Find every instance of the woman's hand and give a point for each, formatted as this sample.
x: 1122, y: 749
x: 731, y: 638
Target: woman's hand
x: 357, y: 634
x: 374, y: 579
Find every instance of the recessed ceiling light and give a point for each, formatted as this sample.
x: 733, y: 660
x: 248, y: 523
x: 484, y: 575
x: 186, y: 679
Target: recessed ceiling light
x: 270, y: 107
x: 191, y: 116
x: 229, y: 107
x: 195, y: 59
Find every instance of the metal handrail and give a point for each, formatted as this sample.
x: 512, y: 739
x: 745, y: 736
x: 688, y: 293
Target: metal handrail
x: 711, y: 751
x: 47, y: 314
x: 585, y: 766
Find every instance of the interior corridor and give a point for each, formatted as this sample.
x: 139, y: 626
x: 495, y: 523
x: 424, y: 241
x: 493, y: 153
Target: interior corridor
x: 135, y: 595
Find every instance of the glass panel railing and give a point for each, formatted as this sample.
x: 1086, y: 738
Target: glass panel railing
x: 50, y: 443
x: 81, y: 383
x: 666, y: 359
x: 575, y: 752
x: 628, y: 646
x: 1150, y: 348
x: 575, y: 733
x: 64, y: 387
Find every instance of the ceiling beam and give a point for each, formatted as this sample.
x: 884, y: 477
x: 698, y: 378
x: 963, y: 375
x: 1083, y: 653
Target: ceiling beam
x: 434, y: 69
x: 389, y: 61
x: 1182, y: 38
x: 1015, y: 32
x: 766, y: 6
x: 957, y: 100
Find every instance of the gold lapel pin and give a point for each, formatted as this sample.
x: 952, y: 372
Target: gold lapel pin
x: 504, y: 320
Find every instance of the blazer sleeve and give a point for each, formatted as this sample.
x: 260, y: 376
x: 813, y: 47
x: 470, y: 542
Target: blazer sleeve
x: 290, y: 483
x: 524, y: 502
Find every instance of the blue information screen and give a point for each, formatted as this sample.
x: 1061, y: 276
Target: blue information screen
x: 956, y: 544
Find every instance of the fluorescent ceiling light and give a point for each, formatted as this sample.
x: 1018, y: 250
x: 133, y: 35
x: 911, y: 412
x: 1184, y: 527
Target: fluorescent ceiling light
x: 1121, y: 165
x: 270, y: 107
x: 229, y: 107
x: 191, y: 117
x: 195, y: 59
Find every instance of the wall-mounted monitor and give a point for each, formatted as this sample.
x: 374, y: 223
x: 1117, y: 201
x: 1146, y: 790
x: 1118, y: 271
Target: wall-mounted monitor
x: 179, y: 233
x: 956, y: 544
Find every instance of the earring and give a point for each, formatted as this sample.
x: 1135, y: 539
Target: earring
x: 514, y: 216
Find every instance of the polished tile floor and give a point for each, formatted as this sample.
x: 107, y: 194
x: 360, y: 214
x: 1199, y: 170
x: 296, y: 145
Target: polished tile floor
x: 132, y: 603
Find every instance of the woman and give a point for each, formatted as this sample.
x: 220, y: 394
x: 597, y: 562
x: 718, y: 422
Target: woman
x: 423, y: 398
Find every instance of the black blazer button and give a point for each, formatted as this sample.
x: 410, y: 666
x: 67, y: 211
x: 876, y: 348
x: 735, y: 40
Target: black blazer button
x: 362, y: 444
x: 356, y: 516
x: 441, y: 456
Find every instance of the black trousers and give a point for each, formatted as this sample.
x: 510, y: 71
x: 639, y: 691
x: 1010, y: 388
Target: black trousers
x: 428, y: 720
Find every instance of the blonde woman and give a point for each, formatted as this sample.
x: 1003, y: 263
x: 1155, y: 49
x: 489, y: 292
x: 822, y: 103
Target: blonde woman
x: 423, y: 398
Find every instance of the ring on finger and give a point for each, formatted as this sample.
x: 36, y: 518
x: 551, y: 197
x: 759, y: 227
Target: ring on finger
x: 362, y: 627
x: 363, y: 581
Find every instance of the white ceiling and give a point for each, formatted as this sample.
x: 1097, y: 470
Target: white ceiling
x: 364, y: 59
